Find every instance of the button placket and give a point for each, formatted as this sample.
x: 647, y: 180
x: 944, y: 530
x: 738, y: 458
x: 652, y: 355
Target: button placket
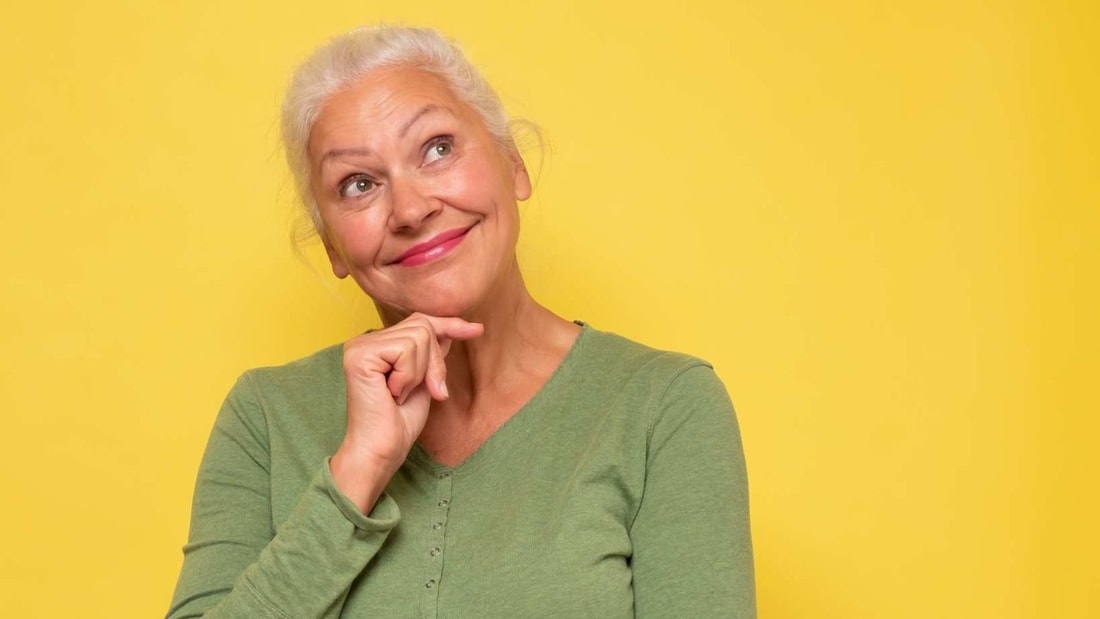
x: 436, y: 543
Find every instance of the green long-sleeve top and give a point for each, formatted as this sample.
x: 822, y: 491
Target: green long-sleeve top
x: 619, y: 490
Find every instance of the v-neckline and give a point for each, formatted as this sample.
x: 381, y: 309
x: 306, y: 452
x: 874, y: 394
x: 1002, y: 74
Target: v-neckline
x: 508, y: 434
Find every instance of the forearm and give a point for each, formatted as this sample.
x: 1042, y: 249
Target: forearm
x: 238, y: 561
x: 304, y: 571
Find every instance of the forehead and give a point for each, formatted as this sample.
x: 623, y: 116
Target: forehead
x: 379, y: 103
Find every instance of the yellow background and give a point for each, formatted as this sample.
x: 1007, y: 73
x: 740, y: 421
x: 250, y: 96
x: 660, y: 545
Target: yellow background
x: 878, y: 220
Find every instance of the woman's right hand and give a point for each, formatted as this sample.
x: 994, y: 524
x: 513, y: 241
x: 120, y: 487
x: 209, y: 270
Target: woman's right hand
x: 392, y: 376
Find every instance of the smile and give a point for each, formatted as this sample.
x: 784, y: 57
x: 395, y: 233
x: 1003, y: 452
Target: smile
x: 432, y: 249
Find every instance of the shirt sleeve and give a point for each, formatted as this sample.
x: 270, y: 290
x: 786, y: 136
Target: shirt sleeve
x: 692, y: 554
x: 237, y: 563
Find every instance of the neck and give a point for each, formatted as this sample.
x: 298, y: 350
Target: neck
x: 519, y: 335
x: 523, y: 342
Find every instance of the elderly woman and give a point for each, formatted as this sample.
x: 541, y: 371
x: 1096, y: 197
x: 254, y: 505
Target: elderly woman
x: 479, y: 456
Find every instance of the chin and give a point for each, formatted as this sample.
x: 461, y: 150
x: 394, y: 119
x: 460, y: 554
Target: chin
x: 442, y: 304
x: 442, y: 296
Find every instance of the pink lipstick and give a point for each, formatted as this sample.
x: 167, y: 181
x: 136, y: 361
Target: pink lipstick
x: 435, y: 247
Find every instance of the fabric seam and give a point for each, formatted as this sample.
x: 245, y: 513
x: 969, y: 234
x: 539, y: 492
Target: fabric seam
x: 651, y: 422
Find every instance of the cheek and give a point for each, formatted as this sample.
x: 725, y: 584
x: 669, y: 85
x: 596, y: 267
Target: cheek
x: 358, y: 235
x: 472, y: 184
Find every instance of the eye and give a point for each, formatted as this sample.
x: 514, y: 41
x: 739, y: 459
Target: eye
x: 439, y: 148
x: 355, y: 186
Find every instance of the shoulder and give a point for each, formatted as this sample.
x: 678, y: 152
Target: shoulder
x: 648, y: 376
x: 672, y: 395
x: 319, y: 371
x: 303, y: 384
x: 297, y: 401
x: 613, y: 355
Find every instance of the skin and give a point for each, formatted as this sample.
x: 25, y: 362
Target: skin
x: 396, y: 159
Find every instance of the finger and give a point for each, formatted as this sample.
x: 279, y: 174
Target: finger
x: 432, y: 336
x: 402, y: 369
x: 406, y: 371
x: 436, y: 376
x: 427, y: 353
x: 454, y: 328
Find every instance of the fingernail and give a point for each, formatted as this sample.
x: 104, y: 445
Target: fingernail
x: 443, y: 388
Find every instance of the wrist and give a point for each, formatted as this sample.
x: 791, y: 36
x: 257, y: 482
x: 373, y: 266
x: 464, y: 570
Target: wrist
x: 359, y: 476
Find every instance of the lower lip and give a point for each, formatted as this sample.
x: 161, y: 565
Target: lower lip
x: 434, y: 253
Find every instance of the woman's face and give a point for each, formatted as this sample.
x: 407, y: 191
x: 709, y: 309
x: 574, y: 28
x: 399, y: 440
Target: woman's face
x: 417, y: 198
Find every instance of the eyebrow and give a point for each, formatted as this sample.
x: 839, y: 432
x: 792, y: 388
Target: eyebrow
x: 431, y: 108
x: 427, y: 109
x: 343, y: 152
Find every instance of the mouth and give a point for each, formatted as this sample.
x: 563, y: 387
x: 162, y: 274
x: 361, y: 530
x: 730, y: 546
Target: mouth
x: 432, y: 249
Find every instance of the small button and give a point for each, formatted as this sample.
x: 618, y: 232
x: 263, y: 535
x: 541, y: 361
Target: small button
x: 444, y: 503
x: 429, y: 584
x: 444, y: 474
x: 435, y: 552
x: 437, y: 526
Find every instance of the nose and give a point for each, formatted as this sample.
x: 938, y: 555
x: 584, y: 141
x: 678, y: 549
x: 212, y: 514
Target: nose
x: 411, y: 205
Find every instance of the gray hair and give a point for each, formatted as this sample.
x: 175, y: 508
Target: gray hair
x: 349, y: 57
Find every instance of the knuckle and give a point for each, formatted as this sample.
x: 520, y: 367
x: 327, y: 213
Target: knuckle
x: 354, y: 363
x: 352, y: 352
x: 423, y: 321
x: 408, y: 341
x: 426, y: 333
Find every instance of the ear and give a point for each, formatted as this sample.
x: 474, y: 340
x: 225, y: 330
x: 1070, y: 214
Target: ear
x: 521, y: 179
x: 339, y: 266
